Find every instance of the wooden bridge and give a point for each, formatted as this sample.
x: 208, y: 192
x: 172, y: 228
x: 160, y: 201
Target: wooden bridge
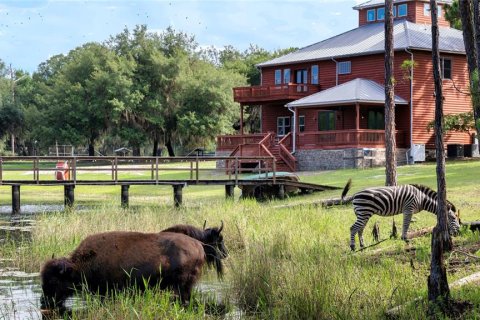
x: 177, y: 172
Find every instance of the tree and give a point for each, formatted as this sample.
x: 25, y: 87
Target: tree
x: 87, y: 92
x: 390, y: 143
x: 438, y: 290
x: 465, y: 15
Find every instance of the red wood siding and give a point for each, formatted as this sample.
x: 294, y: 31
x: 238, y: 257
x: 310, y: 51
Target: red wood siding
x: 414, y: 14
x: 369, y: 67
x: 270, y: 114
x: 424, y: 101
x: 419, y: 16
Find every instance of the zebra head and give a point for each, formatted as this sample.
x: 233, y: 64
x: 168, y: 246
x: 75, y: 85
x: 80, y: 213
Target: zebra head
x: 453, y: 219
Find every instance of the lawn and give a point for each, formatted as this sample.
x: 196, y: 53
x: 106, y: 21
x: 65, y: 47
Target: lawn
x: 289, y: 259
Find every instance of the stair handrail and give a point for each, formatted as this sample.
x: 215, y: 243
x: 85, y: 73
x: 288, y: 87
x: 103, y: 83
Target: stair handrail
x: 287, y: 157
x: 285, y: 137
x: 268, y: 137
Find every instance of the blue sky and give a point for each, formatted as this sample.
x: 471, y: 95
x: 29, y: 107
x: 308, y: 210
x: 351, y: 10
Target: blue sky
x: 33, y: 31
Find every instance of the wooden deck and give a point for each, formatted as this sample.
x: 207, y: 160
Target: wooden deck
x: 177, y: 172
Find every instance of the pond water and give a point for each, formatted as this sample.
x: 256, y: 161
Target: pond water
x: 20, y: 291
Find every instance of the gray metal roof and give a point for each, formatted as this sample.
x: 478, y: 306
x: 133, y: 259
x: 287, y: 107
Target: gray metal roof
x: 369, y: 39
x: 355, y: 91
x: 375, y: 3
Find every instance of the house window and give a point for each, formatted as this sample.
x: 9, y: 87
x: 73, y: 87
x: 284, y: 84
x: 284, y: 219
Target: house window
x: 278, y: 76
x: 426, y: 10
x: 402, y: 10
x: 283, y: 126
x: 446, y: 68
x: 371, y: 15
x: 394, y: 11
x: 326, y: 120
x: 301, y: 123
x: 376, y: 120
x: 315, y: 74
x: 344, y: 67
x: 380, y: 13
x: 301, y: 76
x: 286, y: 76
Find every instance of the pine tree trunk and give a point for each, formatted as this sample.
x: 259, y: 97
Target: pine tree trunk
x: 438, y: 290
x: 390, y: 142
x: 467, y: 17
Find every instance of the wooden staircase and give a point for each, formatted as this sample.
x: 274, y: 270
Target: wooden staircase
x: 280, y: 164
x: 268, y: 146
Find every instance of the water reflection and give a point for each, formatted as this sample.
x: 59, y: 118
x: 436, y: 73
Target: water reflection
x: 19, y: 294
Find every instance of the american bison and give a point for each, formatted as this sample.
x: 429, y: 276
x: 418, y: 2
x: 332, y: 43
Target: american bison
x: 212, y: 241
x: 117, y: 260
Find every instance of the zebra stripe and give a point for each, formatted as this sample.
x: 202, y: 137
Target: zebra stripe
x: 389, y: 201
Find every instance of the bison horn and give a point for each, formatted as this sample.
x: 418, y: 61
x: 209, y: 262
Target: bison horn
x: 204, y: 224
x: 221, y: 227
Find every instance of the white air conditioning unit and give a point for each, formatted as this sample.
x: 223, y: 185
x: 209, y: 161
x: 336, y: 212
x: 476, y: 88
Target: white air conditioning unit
x: 417, y: 153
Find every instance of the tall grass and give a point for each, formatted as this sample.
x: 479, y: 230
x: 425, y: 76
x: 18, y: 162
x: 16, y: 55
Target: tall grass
x: 285, y: 262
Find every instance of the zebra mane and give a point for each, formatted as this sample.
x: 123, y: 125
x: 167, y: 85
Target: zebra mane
x: 432, y: 193
x: 424, y: 189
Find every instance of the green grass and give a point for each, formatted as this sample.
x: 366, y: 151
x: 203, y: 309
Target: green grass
x: 285, y: 262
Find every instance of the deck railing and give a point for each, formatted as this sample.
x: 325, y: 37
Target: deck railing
x: 230, y: 142
x: 113, y: 170
x: 263, y: 93
x: 346, y: 138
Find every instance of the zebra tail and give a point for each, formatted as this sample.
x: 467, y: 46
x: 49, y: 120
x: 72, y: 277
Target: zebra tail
x: 345, y: 190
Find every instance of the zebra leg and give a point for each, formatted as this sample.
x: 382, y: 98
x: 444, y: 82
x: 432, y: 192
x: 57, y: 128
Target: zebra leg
x: 407, y: 217
x: 360, y: 237
x: 358, y: 227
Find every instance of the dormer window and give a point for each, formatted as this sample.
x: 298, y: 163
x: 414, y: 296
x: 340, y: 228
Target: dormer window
x: 402, y: 10
x: 380, y: 13
x: 426, y: 10
x: 371, y: 15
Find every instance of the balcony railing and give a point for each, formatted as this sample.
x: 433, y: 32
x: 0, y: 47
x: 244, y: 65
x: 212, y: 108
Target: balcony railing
x: 318, y: 139
x: 346, y: 138
x: 273, y: 93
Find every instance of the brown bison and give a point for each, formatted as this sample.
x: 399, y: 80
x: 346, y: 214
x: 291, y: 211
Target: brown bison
x: 212, y: 241
x: 117, y: 260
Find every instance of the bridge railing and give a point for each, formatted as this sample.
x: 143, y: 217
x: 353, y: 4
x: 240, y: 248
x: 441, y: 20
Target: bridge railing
x: 112, y: 170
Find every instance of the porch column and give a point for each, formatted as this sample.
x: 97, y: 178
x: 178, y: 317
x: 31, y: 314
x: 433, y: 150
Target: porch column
x: 241, y: 119
x: 357, y: 116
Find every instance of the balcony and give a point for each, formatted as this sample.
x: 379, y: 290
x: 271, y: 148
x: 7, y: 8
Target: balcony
x: 285, y: 92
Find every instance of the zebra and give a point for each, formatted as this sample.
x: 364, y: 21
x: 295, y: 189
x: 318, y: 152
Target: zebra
x: 388, y: 201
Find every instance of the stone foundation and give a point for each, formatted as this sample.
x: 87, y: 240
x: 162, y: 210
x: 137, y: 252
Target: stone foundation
x: 314, y: 160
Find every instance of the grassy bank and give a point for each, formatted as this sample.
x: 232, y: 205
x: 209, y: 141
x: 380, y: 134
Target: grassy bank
x: 285, y: 262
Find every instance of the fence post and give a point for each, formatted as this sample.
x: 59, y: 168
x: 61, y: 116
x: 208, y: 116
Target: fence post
x: 177, y: 194
x: 69, y: 195
x: 229, y: 191
x: 281, y: 191
x: 124, y: 195
x: 15, y: 199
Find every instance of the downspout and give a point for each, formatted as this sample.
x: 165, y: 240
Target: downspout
x: 336, y: 71
x: 411, y: 108
x: 294, y: 131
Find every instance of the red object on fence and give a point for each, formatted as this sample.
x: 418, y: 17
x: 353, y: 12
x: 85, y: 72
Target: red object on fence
x: 62, y: 171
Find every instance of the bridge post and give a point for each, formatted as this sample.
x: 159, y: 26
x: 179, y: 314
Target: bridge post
x: 281, y: 191
x: 15, y: 199
x: 69, y: 195
x: 124, y: 195
x: 177, y: 194
x: 229, y: 191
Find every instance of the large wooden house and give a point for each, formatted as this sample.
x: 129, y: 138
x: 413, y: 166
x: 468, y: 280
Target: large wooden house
x: 322, y: 106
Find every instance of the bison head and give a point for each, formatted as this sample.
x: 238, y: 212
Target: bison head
x: 58, y: 278
x: 214, y: 247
